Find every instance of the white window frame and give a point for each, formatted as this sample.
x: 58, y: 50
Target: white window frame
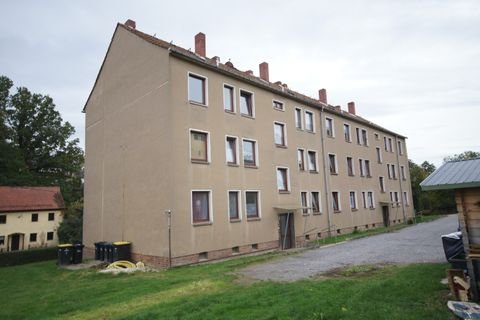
x: 288, y: 179
x: 339, y: 202
x: 210, y: 206
x: 349, y: 132
x: 234, y: 98
x: 390, y: 144
x: 373, y: 199
x: 307, y: 205
x: 361, y: 166
x: 319, y: 201
x: 240, y: 90
x: 402, y: 173
x: 336, y: 163
x: 367, y: 168
x: 406, y: 201
x: 364, y: 200
x: 355, y: 207
x: 399, y: 147
x: 239, y: 203
x: 284, y: 134
x: 301, y: 118
x: 209, y: 152
x: 379, y: 155
x: 278, y: 101
x: 188, y: 88
x: 381, y: 181
x: 364, y: 141
x: 305, y: 156
x: 358, y: 136
x: 389, y: 171
x: 259, y: 204
x: 313, y: 121
x: 332, y: 135
x: 237, y: 149
x: 257, y: 158
x: 353, y: 166
x: 316, y: 160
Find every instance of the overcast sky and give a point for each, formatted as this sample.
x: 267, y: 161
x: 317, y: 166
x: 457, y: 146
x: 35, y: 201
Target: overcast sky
x: 410, y: 66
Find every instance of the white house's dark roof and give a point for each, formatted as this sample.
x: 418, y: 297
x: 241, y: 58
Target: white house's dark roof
x: 454, y: 175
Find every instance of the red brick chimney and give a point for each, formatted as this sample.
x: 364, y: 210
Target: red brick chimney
x: 322, y: 95
x: 200, y: 47
x: 351, y: 107
x: 264, y: 71
x: 131, y: 24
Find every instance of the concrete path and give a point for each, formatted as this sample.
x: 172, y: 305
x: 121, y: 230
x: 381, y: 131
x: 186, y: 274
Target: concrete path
x: 415, y: 244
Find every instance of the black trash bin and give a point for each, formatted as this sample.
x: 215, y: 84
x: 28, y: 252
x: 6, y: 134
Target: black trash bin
x: 121, y: 250
x: 77, y: 253
x: 100, y: 250
x: 454, y: 250
x: 64, y: 254
x: 108, y: 252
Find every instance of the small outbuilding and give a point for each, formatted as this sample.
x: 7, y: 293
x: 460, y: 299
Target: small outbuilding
x: 463, y: 177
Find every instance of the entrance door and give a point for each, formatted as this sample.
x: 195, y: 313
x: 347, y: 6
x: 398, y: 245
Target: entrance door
x: 287, y: 231
x: 15, y: 242
x: 386, y: 216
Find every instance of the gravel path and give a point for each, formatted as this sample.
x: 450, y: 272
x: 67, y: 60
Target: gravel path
x: 415, y: 244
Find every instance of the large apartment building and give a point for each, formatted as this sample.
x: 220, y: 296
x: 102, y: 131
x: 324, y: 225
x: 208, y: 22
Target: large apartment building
x: 191, y: 159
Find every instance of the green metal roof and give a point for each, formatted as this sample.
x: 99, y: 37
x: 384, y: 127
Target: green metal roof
x: 454, y: 175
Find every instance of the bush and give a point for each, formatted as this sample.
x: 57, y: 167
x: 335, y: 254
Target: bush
x: 14, y: 258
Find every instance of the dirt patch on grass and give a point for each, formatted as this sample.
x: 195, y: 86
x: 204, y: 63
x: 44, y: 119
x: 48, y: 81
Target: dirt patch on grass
x: 359, y: 271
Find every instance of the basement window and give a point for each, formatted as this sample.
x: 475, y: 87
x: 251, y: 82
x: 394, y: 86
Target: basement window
x: 235, y: 250
x: 202, y: 256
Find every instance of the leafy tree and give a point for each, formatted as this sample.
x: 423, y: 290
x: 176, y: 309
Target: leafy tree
x: 71, y: 228
x: 466, y: 155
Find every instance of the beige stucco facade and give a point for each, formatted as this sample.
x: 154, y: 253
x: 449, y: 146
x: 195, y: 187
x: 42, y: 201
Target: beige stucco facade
x: 138, y: 162
x: 21, y: 232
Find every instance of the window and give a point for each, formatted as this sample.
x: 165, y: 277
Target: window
x: 391, y: 199
x: 364, y: 200
x: 246, y: 103
x: 376, y: 136
x: 396, y: 198
x: 332, y: 162
x: 379, y: 155
x: 353, y: 200
x: 381, y: 180
x: 405, y: 198
x: 33, y: 237
x: 298, y: 118
x: 390, y: 147
x: 2, y: 240
x: 367, y: 168
x: 198, y: 146
x: 364, y: 137
x: 361, y: 167
x: 394, y: 172
x: 301, y: 159
x: 358, y: 134
x: 228, y: 98
x: 350, y: 166
x: 402, y: 171
x: 315, y: 202
x: 279, y: 133
x: 278, y: 105
x: 400, y: 149
x: 3, y: 219
x: 197, y: 89
x: 304, y: 200
x: 200, y: 206
x: 231, y: 150
x: 336, y: 201
x: 49, y: 236
x: 370, y: 201
x: 233, y: 205
x: 329, y: 127
x: 251, y: 204
x: 282, y: 179
x: 51, y: 216
x: 312, y: 161
x: 309, y: 121
x: 34, y: 217
x: 346, y: 132
x: 249, y: 153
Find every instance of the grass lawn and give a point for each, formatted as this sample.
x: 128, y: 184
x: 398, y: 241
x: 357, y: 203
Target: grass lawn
x: 214, y: 291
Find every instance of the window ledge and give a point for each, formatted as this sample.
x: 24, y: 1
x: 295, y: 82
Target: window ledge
x: 334, y: 173
x: 199, y: 161
x: 369, y: 176
x: 351, y: 175
x: 205, y: 223
x: 305, y: 214
x: 254, y: 219
x: 317, y: 213
x: 314, y: 171
x: 229, y: 111
x: 372, y: 208
x: 232, y: 164
x: 337, y: 211
x: 278, y: 109
x: 299, y: 129
x: 198, y: 104
x: 331, y: 137
x: 310, y: 131
x: 281, y: 146
x: 349, y: 141
x: 235, y: 220
x: 284, y: 191
x: 248, y: 116
x: 250, y: 166
x: 354, y: 209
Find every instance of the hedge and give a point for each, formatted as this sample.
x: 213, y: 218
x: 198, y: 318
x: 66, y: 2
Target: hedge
x: 14, y: 258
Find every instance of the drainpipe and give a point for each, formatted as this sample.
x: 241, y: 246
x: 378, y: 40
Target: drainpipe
x: 325, y: 179
x: 169, y: 224
x: 400, y: 178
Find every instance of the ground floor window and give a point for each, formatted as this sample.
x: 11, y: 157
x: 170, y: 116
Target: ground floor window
x: 315, y: 202
x: 49, y: 236
x: 201, y: 206
x: 33, y: 237
x: 336, y: 201
x: 2, y: 240
x: 233, y: 205
x: 251, y: 204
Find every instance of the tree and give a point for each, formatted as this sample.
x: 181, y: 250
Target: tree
x: 466, y: 155
x: 71, y: 228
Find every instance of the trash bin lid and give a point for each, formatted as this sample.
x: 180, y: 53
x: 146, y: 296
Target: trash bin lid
x: 454, y: 235
x: 119, y: 243
x: 64, y: 245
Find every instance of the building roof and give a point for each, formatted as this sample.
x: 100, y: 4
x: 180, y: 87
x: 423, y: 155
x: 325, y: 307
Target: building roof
x: 454, y: 175
x: 14, y: 199
x: 229, y: 70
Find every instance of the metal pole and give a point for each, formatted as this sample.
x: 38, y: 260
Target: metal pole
x: 169, y: 220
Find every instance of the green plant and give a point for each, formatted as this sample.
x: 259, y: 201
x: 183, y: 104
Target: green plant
x: 27, y: 256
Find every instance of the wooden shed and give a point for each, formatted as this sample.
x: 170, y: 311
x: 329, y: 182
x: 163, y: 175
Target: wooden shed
x: 464, y: 178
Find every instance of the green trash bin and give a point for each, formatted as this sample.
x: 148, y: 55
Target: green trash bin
x: 64, y: 254
x: 121, y: 250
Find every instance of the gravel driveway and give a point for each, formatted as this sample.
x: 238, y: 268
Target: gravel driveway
x: 415, y: 244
